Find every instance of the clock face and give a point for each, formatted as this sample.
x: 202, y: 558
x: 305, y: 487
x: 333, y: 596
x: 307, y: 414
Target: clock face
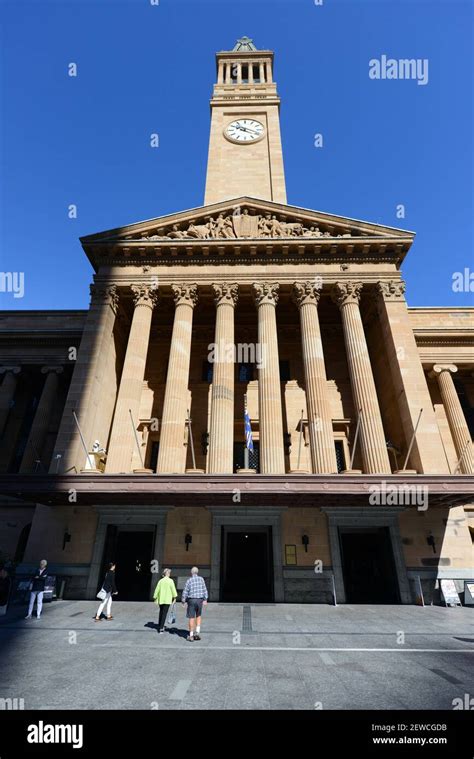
x: 244, y: 130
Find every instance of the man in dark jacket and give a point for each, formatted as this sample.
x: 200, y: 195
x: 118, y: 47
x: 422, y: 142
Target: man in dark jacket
x: 37, y: 589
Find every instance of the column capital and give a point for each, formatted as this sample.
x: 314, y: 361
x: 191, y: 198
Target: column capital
x: 306, y: 292
x: 393, y: 290
x: 52, y: 369
x: 185, y: 294
x: 225, y: 292
x: 144, y: 294
x: 10, y: 369
x: 265, y: 292
x: 438, y: 368
x: 346, y: 292
x: 104, y: 294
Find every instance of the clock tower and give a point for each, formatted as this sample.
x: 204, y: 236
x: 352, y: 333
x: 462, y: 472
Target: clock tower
x: 245, y: 155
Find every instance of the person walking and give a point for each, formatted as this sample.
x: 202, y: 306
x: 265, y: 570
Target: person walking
x: 195, y: 596
x: 110, y: 590
x: 38, y: 582
x: 165, y: 594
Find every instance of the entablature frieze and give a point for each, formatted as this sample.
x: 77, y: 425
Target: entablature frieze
x: 249, y: 252
x: 245, y: 281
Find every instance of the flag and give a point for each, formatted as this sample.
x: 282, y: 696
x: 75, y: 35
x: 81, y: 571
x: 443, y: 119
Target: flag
x: 248, y: 428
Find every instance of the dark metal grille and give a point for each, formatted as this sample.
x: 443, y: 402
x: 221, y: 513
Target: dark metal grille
x: 340, y: 458
x: 239, y: 457
x: 247, y: 619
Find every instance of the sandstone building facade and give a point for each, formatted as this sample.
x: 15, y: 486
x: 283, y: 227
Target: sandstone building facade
x: 123, y: 426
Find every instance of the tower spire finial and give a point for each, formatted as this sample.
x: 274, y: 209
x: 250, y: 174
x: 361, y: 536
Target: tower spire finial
x: 244, y: 45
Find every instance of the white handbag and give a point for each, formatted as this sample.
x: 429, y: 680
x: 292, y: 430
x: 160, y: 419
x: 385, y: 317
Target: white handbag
x: 102, y: 594
x: 171, y: 615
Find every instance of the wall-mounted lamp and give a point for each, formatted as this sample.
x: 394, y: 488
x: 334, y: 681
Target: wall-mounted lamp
x: 305, y: 542
x: 66, y: 538
x: 188, y: 539
x: 431, y: 542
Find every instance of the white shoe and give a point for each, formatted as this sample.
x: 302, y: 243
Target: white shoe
x: 28, y: 616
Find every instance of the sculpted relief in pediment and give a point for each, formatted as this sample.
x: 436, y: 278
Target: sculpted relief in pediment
x: 230, y: 226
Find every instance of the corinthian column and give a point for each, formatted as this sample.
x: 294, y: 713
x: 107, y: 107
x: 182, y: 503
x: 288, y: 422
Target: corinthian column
x: 272, y: 456
x: 171, y: 453
x: 42, y: 418
x: 409, y: 381
x: 7, y: 392
x: 85, y: 390
x: 122, y: 442
x: 455, y: 414
x: 372, y: 438
x: 221, y: 437
x: 323, y: 455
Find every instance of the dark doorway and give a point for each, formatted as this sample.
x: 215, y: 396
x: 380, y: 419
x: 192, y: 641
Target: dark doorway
x: 368, y: 566
x: 247, y: 565
x: 132, y: 551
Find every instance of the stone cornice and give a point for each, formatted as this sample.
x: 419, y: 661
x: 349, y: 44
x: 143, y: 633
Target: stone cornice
x: 248, y: 251
x: 217, y: 490
x: 447, y: 336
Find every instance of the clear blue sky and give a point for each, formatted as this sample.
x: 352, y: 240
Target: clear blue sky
x: 145, y: 68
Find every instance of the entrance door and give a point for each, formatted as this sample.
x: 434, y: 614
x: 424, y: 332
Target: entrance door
x: 247, y: 565
x: 132, y: 551
x: 368, y: 566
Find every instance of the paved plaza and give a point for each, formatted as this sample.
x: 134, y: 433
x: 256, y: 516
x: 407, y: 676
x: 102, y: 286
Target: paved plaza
x: 250, y: 657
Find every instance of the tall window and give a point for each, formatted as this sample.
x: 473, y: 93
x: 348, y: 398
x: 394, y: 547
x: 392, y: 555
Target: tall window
x: 246, y: 372
x: 155, y: 447
x: 207, y: 371
x: 284, y: 370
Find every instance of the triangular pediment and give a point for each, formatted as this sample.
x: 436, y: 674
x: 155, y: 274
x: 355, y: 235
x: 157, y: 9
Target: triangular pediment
x: 246, y: 218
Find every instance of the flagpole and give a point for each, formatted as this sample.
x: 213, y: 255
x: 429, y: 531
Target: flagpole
x: 191, y: 442
x: 300, y: 439
x: 82, y: 440
x: 136, y: 438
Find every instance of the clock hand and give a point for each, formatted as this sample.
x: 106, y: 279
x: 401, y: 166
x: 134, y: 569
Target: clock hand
x: 246, y: 129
